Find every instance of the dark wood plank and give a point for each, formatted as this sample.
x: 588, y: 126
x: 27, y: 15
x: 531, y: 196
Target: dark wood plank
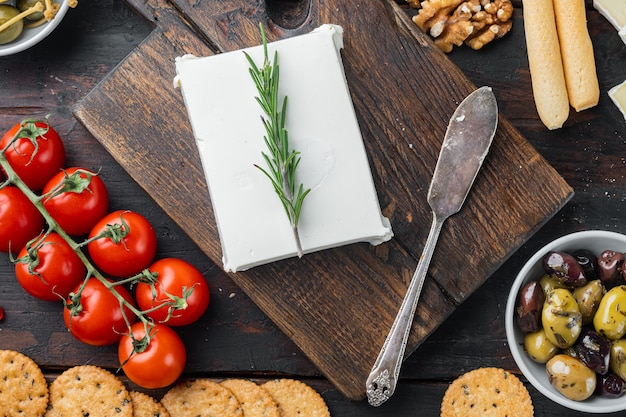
x: 235, y: 338
x: 336, y: 305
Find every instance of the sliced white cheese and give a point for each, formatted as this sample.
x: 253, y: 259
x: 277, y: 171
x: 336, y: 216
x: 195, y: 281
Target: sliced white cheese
x: 342, y: 207
x: 613, y: 10
x: 622, y: 34
x: 618, y: 95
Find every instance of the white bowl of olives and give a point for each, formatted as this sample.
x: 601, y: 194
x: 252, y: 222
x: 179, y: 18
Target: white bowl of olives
x: 30, y: 26
x: 564, y: 323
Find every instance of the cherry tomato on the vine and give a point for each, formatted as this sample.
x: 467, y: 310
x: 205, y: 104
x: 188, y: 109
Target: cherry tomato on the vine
x: 96, y: 318
x: 36, y: 155
x: 153, y: 362
x: 82, y: 199
x: 181, y: 280
x: 127, y: 244
x: 49, y: 269
x: 20, y: 221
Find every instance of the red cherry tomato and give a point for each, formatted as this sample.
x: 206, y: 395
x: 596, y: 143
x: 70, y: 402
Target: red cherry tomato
x: 174, y: 277
x: 127, y: 246
x: 50, y: 268
x: 37, y: 155
x: 160, y: 363
x: 99, y: 321
x: 20, y: 221
x: 80, y: 203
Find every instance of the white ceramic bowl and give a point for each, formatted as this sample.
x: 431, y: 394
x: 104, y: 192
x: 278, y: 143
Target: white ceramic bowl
x: 32, y: 36
x: 596, y: 241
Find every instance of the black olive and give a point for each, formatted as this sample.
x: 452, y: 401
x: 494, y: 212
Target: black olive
x: 610, y: 268
x: 594, y: 351
x: 529, y: 306
x: 565, y: 268
x: 588, y: 261
x: 610, y: 385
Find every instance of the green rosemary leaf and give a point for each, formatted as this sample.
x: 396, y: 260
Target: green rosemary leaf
x: 281, y: 161
x: 273, y: 167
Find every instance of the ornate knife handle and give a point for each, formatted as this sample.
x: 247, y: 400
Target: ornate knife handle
x: 383, y: 378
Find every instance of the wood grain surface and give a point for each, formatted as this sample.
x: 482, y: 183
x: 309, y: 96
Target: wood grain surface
x: 336, y: 305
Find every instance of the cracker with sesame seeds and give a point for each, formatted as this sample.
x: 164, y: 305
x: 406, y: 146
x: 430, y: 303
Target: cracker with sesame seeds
x: 295, y: 398
x: 491, y: 392
x: 201, y: 398
x: 88, y: 390
x: 255, y: 400
x: 23, y: 388
x: 146, y: 406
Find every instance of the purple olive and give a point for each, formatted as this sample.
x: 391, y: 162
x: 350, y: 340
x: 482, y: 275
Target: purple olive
x: 610, y: 385
x: 564, y: 268
x: 594, y: 351
x: 588, y: 261
x: 610, y: 268
x: 529, y: 306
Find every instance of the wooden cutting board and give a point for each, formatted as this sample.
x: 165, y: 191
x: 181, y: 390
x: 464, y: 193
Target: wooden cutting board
x: 337, y: 305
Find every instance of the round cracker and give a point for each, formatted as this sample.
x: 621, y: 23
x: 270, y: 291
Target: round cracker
x: 88, y: 390
x: 295, y: 398
x: 23, y: 388
x: 146, y: 406
x: 255, y: 401
x: 490, y: 392
x: 201, y: 398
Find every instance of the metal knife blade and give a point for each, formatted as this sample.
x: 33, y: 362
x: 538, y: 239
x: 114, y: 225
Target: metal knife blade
x: 469, y: 135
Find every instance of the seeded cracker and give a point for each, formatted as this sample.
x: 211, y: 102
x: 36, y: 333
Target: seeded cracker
x: 146, y: 406
x: 88, y: 391
x: 201, y: 398
x: 487, y: 392
x: 23, y: 388
x: 255, y: 400
x: 296, y: 399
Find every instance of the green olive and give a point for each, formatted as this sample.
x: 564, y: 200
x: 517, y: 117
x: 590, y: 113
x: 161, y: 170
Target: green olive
x: 549, y: 283
x: 538, y: 347
x: 12, y: 32
x: 588, y: 298
x: 610, y: 319
x: 618, y: 358
x: 24, y: 5
x: 571, y: 377
x: 561, y: 318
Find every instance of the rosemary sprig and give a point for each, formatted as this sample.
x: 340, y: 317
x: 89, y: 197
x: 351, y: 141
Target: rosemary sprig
x: 281, y: 161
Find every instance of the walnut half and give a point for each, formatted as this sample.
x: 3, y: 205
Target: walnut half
x: 473, y: 22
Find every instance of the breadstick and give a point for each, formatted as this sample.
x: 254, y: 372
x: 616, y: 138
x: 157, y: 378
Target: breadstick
x: 579, y: 64
x: 546, y: 66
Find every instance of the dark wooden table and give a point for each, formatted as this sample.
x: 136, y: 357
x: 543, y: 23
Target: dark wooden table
x: 235, y: 338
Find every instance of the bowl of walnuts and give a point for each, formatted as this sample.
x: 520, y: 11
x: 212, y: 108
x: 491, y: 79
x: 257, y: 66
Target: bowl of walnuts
x: 24, y: 23
x: 566, y: 321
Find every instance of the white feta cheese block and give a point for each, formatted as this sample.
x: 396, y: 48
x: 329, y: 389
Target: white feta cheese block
x: 618, y: 95
x: 342, y: 207
x: 613, y: 10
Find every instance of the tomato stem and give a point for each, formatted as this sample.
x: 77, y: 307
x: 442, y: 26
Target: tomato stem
x: 73, y: 183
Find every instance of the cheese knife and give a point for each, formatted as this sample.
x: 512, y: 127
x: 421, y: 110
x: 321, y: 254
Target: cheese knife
x: 466, y: 143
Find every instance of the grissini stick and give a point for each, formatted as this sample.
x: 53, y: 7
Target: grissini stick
x: 546, y: 66
x: 579, y: 65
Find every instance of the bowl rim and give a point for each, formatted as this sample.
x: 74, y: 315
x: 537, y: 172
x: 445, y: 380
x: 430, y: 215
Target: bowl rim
x: 588, y: 406
x: 47, y: 28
